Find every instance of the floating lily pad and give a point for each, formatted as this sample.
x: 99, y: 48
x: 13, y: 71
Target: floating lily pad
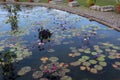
x: 98, y: 67
x: 51, y: 50
x: 101, y: 58
x: 77, y: 54
x: 66, y: 78
x: 86, y: 64
x: 82, y: 67
x: 117, y: 63
x: 77, y: 63
x: 53, y: 59
x: 87, y: 51
x: 111, y: 56
x: 81, y: 50
x: 93, y: 71
x: 94, y: 53
x: 44, y: 59
x: 85, y: 57
x: 43, y: 79
x: 74, y: 50
x: 103, y: 64
x: 37, y: 74
x: 93, y: 61
x: 108, y: 50
x: 24, y: 70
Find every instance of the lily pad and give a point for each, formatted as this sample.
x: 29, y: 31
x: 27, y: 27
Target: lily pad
x: 103, y: 64
x: 44, y: 59
x: 81, y: 50
x: 101, y: 58
x: 85, y: 57
x: 24, y: 70
x: 117, y: 63
x: 93, y: 61
x: 98, y: 67
x: 53, y: 59
x: 86, y: 64
x: 82, y: 67
x: 77, y: 63
x: 94, y: 53
x: 37, y: 74
x: 111, y: 57
x: 66, y: 78
x: 93, y: 71
x: 51, y: 50
x: 77, y: 54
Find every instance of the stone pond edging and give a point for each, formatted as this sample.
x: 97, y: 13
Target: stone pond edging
x: 110, y: 19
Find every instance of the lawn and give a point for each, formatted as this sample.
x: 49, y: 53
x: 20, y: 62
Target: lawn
x: 83, y: 2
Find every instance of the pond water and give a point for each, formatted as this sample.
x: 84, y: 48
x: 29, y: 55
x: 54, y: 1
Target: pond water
x: 78, y: 49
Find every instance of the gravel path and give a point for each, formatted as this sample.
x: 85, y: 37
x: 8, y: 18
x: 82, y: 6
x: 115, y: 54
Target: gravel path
x: 110, y: 19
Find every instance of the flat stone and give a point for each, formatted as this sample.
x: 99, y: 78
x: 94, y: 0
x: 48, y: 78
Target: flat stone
x: 107, y: 8
x: 73, y: 4
x: 95, y: 7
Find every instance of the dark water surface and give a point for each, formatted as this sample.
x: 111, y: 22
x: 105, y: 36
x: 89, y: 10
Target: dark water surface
x: 70, y: 33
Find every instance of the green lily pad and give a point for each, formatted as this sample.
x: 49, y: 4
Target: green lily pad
x: 98, y: 67
x: 101, y: 59
x: 103, y: 64
x: 94, y: 53
x: 66, y: 78
x: 86, y: 64
x: 24, y: 70
x: 77, y: 54
x: 93, y: 61
x: 117, y: 63
x: 53, y: 59
x: 81, y: 50
x: 37, y: 74
x: 111, y: 57
x: 77, y: 63
x: 85, y: 57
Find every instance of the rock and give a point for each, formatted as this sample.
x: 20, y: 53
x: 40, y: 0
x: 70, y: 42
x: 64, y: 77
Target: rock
x: 107, y: 8
x: 73, y: 4
x: 95, y: 7
x: 103, y: 8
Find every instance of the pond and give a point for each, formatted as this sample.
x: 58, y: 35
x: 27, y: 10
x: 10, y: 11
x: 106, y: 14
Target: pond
x: 76, y: 49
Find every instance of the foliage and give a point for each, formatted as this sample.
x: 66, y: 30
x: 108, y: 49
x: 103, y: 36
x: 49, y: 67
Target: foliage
x: 90, y: 2
x: 118, y: 6
x: 13, y: 16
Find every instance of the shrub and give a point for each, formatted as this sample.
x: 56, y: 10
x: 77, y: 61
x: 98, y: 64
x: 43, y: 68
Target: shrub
x: 90, y: 2
x: 118, y: 6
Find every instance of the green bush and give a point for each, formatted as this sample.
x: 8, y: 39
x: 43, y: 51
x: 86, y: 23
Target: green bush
x: 90, y: 2
x: 117, y: 6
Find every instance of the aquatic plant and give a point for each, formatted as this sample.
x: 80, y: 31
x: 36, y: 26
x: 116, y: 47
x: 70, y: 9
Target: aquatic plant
x: 24, y: 70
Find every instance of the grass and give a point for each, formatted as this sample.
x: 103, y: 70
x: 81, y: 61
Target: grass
x: 82, y: 2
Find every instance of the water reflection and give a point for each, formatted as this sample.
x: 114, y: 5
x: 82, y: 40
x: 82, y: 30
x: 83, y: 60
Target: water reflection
x: 44, y: 36
x: 12, y: 16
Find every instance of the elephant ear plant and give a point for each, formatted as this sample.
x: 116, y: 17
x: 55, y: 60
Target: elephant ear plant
x: 118, y: 6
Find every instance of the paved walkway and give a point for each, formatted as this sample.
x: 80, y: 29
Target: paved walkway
x: 110, y: 19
